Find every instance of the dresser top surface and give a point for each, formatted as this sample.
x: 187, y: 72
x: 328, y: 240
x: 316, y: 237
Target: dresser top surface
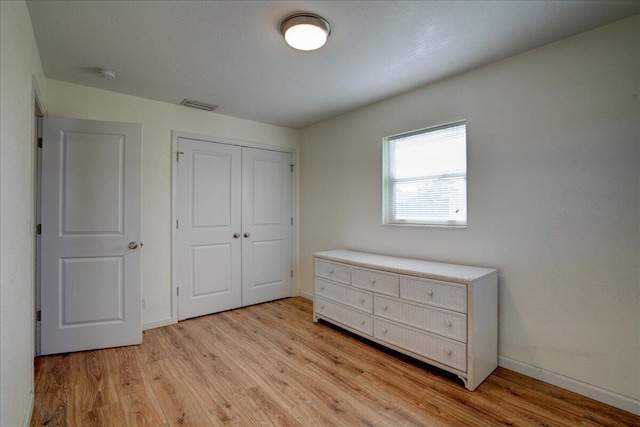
x: 413, y: 267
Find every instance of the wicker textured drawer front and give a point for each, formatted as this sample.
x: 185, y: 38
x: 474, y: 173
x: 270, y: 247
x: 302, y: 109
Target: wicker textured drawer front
x: 452, y: 296
x: 349, y: 317
x: 442, y: 322
x: 333, y: 271
x: 445, y: 351
x: 377, y: 281
x: 346, y: 295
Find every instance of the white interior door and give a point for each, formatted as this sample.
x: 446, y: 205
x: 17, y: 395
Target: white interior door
x: 267, y: 224
x: 208, y: 243
x: 90, y: 265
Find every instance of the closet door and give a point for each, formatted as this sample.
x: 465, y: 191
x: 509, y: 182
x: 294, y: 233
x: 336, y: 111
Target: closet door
x: 208, y: 239
x: 267, y: 223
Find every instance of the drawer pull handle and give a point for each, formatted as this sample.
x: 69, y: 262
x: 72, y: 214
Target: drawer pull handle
x: 321, y: 306
x: 447, y: 352
x: 361, y: 300
x: 331, y: 271
x: 429, y: 292
x: 322, y: 287
x: 385, y: 306
x: 362, y: 322
x: 372, y: 281
x: 384, y: 330
x: 447, y: 323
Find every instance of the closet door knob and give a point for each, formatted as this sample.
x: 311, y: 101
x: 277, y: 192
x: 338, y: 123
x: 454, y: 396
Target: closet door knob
x: 236, y: 235
x: 447, y: 323
x: 247, y: 234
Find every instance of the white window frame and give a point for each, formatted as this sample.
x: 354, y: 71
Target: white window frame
x: 388, y: 182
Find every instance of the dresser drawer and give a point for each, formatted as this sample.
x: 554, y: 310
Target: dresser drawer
x: 347, y: 316
x: 346, y: 295
x: 333, y: 271
x: 452, y: 296
x: 373, y: 280
x: 442, y: 322
x: 443, y: 350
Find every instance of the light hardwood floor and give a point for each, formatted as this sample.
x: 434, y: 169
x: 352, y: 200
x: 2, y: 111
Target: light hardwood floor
x: 269, y: 365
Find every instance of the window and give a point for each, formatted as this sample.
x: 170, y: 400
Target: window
x: 425, y: 176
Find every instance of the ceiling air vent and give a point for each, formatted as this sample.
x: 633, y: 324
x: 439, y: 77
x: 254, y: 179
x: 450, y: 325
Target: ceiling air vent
x: 199, y: 105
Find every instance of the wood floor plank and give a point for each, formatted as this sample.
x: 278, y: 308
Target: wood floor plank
x: 103, y: 416
x: 94, y: 385
x: 152, y: 350
x: 53, y: 389
x: 139, y: 404
x: 174, y: 396
x: 271, y: 365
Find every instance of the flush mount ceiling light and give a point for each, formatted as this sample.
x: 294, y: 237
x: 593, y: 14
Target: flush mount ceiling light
x: 305, y: 31
x: 106, y: 73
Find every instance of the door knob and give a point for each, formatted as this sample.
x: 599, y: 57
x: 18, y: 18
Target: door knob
x: 247, y: 234
x: 236, y: 235
x: 133, y: 245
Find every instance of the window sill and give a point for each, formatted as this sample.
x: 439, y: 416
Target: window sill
x: 395, y: 224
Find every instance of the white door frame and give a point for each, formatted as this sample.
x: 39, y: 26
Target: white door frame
x: 175, y: 135
x: 39, y: 111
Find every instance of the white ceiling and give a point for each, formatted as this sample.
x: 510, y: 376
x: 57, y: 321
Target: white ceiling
x: 231, y: 53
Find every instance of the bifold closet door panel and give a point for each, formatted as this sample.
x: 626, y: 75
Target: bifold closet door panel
x: 267, y: 224
x: 208, y: 243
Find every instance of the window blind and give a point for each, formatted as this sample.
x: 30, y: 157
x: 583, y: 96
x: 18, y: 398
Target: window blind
x: 427, y: 176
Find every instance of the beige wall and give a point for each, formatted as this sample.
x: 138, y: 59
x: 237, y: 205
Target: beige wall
x: 19, y: 61
x: 158, y: 120
x: 553, y: 197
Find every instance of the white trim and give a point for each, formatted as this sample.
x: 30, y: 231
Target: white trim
x: 175, y: 135
x: 174, y: 171
x: 37, y: 101
x: 189, y: 135
x: 605, y: 396
x: 157, y: 323
x: 305, y: 295
x: 26, y: 422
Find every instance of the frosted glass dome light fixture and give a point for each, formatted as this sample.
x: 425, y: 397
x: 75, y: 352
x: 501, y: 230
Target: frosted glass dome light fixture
x: 305, y: 31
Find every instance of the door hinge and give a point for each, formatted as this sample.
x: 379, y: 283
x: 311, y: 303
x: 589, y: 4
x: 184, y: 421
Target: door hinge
x: 38, y: 316
x: 292, y: 168
x: 178, y: 291
x: 177, y: 224
x: 39, y: 142
x: 291, y: 220
x: 39, y: 228
x: 178, y: 155
x: 291, y: 273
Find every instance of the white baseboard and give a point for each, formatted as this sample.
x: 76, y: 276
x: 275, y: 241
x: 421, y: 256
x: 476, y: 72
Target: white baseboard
x: 157, y: 323
x: 596, y: 393
x: 27, y: 417
x: 305, y: 295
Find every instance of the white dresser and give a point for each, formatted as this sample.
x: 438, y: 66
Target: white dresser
x: 443, y: 314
